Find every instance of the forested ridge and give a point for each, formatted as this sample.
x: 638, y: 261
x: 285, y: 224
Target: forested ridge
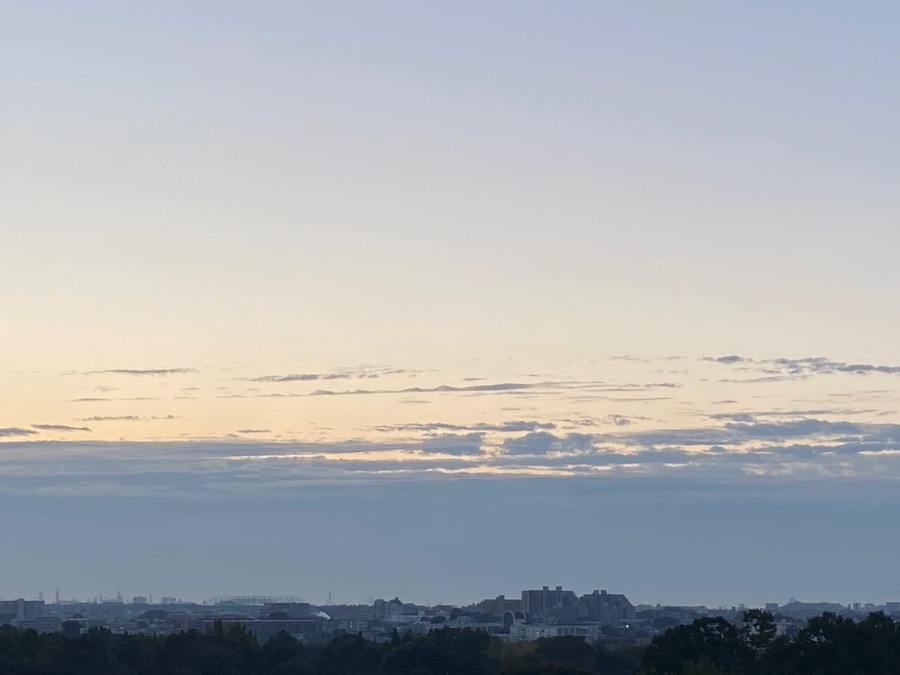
x: 711, y: 646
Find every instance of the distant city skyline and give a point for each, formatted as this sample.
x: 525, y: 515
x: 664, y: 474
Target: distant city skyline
x: 514, y: 597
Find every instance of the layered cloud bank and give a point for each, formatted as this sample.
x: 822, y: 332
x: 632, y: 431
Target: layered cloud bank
x: 197, y: 431
x: 800, y: 449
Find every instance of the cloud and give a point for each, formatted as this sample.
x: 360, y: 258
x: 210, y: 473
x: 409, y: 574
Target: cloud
x: 127, y: 418
x: 58, y: 427
x: 454, y: 444
x: 802, y: 367
x: 737, y: 452
x: 822, y: 365
x: 731, y: 358
x: 443, y: 388
x: 734, y: 417
x: 639, y: 359
x: 584, y: 390
x: 752, y: 416
x: 739, y: 434
x: 543, y: 443
x: 362, y: 372
x: 299, y: 377
x: 622, y: 420
x: 7, y: 432
x: 791, y: 429
x: 254, y: 431
x: 142, y: 372
x: 502, y: 427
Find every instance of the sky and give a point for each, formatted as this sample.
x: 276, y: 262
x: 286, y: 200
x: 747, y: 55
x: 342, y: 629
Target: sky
x: 446, y: 300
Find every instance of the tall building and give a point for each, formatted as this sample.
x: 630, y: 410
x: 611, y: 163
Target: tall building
x: 541, y: 603
x: 22, y: 609
x: 607, y: 607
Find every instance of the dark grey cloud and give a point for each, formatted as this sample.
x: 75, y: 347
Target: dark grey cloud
x: 454, y: 444
x: 58, y: 427
x: 536, y: 443
x: 254, y: 431
x: 7, y: 432
x: 793, y: 428
x: 141, y: 372
x: 542, y: 443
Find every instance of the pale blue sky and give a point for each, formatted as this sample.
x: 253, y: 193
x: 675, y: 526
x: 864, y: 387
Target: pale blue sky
x: 251, y: 246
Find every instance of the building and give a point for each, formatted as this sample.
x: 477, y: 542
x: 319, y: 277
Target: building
x: 22, y: 609
x: 538, y: 604
x: 526, y: 632
x: 42, y: 624
x: 608, y: 608
x: 499, y: 605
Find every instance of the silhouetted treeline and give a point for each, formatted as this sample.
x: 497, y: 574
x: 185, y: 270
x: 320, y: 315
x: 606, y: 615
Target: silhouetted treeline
x: 232, y: 649
x: 829, y: 644
x: 712, y: 646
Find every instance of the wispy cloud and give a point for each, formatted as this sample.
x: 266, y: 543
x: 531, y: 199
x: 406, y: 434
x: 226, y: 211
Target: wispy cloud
x: 127, y: 418
x: 7, y: 432
x: 300, y: 377
x: 801, y: 367
x: 587, y: 390
x: 823, y: 365
x: 501, y: 427
x: 754, y: 415
x: 623, y: 420
x: 361, y: 372
x: 58, y: 427
x: 731, y: 358
x: 142, y: 372
x: 100, y: 399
